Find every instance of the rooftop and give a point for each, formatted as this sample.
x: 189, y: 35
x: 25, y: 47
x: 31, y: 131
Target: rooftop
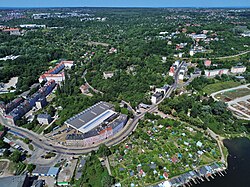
x: 47, y: 171
x: 13, y: 181
x: 91, y: 117
x: 45, y: 116
x: 157, y: 94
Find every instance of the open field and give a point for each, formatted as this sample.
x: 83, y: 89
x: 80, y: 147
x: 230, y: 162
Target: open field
x: 238, y: 100
x: 159, y: 149
x: 219, y: 86
x: 232, y: 94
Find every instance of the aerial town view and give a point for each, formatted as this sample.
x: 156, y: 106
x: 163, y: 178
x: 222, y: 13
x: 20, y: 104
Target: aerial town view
x: 124, y: 93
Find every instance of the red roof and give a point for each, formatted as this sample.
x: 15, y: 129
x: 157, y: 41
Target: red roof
x: 11, y: 29
x: 172, y: 69
x: 67, y: 62
x: 53, y: 69
x: 174, y: 159
x: 165, y: 174
x: 141, y: 171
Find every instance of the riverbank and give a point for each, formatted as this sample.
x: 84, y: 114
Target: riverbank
x: 218, y: 175
x: 238, y: 165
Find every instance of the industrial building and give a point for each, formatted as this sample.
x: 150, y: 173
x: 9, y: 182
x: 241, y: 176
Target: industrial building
x: 105, y: 130
x: 91, y: 117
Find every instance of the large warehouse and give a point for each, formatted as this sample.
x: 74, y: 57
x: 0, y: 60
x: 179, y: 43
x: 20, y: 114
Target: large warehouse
x: 92, y: 117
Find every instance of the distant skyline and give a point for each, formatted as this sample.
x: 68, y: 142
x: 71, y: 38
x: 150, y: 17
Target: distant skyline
x: 124, y: 3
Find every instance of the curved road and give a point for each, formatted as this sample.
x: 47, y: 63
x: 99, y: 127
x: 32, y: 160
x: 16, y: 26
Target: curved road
x: 45, y: 144
x: 222, y: 57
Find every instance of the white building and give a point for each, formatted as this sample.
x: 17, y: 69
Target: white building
x: 238, y: 69
x: 156, y: 97
x: 44, y: 119
x: 164, y: 89
x: 164, y: 59
x: 68, y: 64
x: 191, y: 52
x: 199, y: 36
x: 108, y: 74
x: 31, y: 26
x: 181, y: 74
x: 212, y: 73
x: 47, y: 77
x: 177, y: 63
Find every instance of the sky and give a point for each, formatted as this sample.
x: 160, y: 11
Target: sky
x: 124, y: 3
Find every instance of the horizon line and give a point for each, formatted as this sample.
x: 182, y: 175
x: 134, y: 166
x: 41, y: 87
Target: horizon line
x: 126, y: 7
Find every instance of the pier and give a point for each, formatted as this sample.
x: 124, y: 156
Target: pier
x: 199, y: 175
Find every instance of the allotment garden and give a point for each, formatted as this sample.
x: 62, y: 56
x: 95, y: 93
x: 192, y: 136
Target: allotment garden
x: 161, y: 149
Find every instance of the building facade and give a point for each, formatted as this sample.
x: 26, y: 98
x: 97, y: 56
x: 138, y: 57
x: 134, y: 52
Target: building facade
x: 238, y: 69
x: 156, y: 97
x: 212, y: 73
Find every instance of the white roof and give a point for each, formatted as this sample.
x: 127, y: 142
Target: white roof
x: 96, y: 121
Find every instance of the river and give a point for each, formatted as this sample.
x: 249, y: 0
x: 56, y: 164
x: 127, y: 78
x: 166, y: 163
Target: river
x: 238, y: 172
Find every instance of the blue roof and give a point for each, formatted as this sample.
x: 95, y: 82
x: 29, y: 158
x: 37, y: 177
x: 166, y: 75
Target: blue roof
x: 53, y: 171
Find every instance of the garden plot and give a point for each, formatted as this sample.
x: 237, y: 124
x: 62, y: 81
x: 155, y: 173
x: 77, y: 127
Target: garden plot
x: 158, y: 150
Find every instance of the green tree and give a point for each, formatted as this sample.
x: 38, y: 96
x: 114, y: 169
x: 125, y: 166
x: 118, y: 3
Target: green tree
x: 30, y: 168
x: 103, y: 151
x: 107, y: 180
x: 16, y: 156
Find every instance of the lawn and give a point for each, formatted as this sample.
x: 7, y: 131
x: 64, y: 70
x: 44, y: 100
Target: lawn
x: 211, y: 88
x: 158, y: 147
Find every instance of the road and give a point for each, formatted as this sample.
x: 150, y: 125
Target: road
x: 46, y: 144
x: 222, y: 57
x: 188, y: 82
x: 94, y: 90
x: 129, y: 106
x: 219, y: 142
x: 229, y: 89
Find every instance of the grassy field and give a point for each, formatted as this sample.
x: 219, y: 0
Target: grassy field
x: 209, y: 89
x: 232, y: 94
